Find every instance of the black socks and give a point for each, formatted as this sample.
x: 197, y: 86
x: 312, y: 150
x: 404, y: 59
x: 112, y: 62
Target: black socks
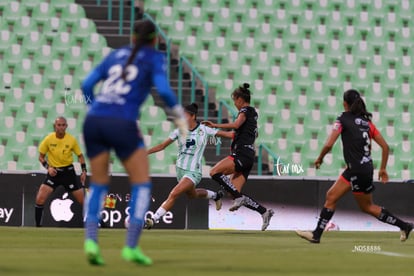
x: 324, y: 218
x: 389, y: 218
x: 254, y: 205
x: 225, y: 182
x: 38, y: 215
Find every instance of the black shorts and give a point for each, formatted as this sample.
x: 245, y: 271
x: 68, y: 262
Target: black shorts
x: 361, y: 181
x: 243, y: 160
x: 102, y: 134
x: 66, y: 177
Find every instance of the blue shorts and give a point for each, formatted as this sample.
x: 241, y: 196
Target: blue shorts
x: 102, y: 134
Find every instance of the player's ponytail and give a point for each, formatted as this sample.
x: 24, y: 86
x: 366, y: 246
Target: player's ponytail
x: 144, y: 33
x: 242, y: 92
x: 356, y: 104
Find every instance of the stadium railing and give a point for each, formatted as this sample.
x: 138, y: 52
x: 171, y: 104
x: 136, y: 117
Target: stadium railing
x: 195, y: 75
x: 121, y: 14
x: 275, y: 157
x: 165, y: 38
x: 231, y: 110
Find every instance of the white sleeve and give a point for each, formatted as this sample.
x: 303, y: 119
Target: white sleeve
x: 211, y: 131
x: 174, y: 135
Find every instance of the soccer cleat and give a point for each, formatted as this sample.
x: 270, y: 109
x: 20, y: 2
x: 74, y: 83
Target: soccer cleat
x: 238, y: 202
x: 219, y: 202
x: 135, y: 255
x: 93, y: 253
x: 149, y: 223
x: 405, y: 233
x: 267, y: 216
x: 307, y: 235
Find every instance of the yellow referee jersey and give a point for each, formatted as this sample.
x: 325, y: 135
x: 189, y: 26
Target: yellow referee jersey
x: 59, y: 151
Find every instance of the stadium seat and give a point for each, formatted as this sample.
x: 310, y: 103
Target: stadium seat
x: 94, y: 43
x: 152, y: 115
x: 55, y: 70
x: 71, y: 13
x: 83, y: 28
x: 13, y: 11
x: 7, y: 39
x: 33, y: 41
x: 44, y: 56
x: 28, y: 159
x: 15, y: 54
x: 23, y: 26
x: 53, y: 27
x: 41, y: 11
x: 62, y: 42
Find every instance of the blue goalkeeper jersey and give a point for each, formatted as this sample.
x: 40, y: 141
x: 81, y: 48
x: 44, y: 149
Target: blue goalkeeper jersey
x: 122, y: 97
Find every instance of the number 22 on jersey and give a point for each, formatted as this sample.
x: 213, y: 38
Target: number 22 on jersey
x: 115, y: 83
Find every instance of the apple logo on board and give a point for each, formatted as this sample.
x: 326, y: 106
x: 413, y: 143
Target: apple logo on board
x: 60, y: 208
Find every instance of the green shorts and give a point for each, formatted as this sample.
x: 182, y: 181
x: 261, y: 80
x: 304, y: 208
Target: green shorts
x: 195, y: 177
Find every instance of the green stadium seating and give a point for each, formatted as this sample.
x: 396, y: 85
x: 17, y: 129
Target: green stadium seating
x: 71, y: 13
x: 43, y: 13
x: 33, y: 41
x: 12, y: 11
x: 53, y: 27
x: 299, y: 56
x: 83, y: 28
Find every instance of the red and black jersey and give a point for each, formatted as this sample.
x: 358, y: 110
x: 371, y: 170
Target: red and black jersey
x: 356, y: 135
x: 246, y: 134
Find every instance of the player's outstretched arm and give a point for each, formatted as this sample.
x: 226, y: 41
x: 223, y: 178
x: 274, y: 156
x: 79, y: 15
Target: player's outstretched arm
x: 234, y: 125
x: 225, y: 134
x: 330, y: 142
x: 161, y: 146
x: 382, y: 174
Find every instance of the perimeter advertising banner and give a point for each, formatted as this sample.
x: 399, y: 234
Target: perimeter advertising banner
x: 296, y: 202
x: 18, y: 193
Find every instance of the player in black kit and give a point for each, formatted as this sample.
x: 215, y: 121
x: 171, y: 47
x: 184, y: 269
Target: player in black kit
x: 240, y: 162
x: 356, y: 130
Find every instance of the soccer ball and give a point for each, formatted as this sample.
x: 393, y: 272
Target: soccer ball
x: 332, y: 226
x: 126, y: 222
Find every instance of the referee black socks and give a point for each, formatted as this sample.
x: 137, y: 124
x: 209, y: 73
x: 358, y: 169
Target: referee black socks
x: 389, y: 218
x: 38, y: 215
x: 225, y: 182
x: 324, y: 218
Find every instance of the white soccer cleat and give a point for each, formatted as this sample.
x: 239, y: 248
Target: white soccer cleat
x: 307, y: 235
x: 405, y: 233
x: 149, y: 223
x: 238, y: 202
x: 267, y: 216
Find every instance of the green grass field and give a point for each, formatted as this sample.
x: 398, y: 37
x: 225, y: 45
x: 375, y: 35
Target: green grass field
x: 47, y: 251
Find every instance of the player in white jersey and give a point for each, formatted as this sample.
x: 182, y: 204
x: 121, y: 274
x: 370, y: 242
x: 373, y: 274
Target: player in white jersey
x: 188, y: 166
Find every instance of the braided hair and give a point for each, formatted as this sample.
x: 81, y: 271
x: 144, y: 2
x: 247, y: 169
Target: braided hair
x: 144, y: 33
x: 242, y: 92
x: 356, y: 104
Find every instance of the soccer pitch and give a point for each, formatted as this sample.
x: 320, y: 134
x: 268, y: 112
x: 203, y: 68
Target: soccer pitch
x: 56, y: 251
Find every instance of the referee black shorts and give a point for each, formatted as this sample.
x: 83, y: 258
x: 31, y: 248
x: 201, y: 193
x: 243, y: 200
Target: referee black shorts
x: 66, y: 176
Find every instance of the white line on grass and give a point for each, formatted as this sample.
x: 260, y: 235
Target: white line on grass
x: 394, y: 254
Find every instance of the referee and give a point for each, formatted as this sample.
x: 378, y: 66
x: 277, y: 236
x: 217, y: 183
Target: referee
x: 59, y: 147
